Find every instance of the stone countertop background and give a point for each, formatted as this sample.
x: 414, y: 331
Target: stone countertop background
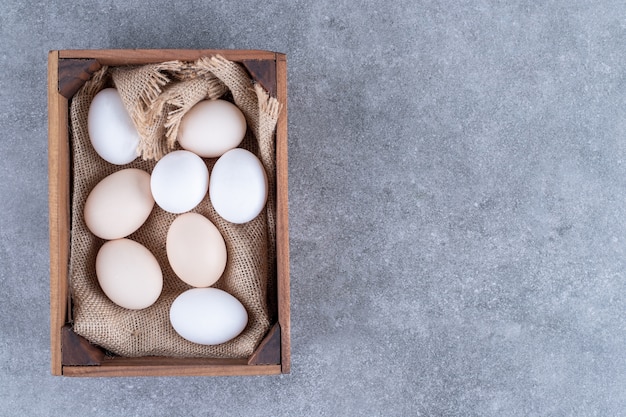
x: 457, y: 198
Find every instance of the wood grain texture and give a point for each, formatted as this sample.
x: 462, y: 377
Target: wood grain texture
x: 268, y: 351
x: 73, y: 73
x: 76, y: 350
x: 59, y: 209
x: 282, y: 217
x: 147, y: 56
x: 153, y: 366
x: 263, y: 71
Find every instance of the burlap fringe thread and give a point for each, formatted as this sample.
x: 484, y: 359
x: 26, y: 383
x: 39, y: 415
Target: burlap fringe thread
x: 157, y: 96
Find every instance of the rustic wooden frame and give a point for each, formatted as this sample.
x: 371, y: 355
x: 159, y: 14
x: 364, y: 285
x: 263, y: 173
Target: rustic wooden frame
x: 72, y: 355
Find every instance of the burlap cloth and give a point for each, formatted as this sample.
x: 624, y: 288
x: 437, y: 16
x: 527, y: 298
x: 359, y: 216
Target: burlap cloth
x: 157, y: 96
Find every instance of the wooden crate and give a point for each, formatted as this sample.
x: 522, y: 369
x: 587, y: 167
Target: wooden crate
x: 71, y: 354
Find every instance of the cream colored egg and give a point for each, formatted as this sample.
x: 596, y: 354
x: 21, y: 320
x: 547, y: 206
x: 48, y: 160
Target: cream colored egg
x: 129, y: 274
x: 211, y: 128
x: 196, y: 250
x: 119, y: 204
x: 208, y: 316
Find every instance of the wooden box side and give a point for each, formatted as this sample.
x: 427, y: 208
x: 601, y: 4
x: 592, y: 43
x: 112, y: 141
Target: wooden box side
x: 282, y: 216
x: 276, y: 344
x: 147, y: 56
x: 58, y: 209
x: 161, y: 366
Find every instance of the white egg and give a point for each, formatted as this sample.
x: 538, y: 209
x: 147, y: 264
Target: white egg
x: 211, y: 128
x: 111, y: 130
x: 238, y: 187
x: 179, y: 181
x: 208, y: 316
x: 129, y: 274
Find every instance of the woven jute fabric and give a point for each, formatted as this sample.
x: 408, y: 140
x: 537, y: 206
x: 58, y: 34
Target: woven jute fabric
x: 157, y: 97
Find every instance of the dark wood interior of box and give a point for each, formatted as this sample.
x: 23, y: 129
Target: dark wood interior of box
x: 76, y: 351
x: 73, y: 73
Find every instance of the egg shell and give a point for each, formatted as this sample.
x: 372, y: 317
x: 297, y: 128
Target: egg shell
x: 119, y: 204
x: 196, y: 250
x: 211, y: 128
x: 111, y: 131
x: 179, y: 181
x: 129, y: 274
x: 238, y: 186
x: 208, y: 316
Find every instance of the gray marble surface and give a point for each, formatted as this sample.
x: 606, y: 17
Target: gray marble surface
x: 457, y: 193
